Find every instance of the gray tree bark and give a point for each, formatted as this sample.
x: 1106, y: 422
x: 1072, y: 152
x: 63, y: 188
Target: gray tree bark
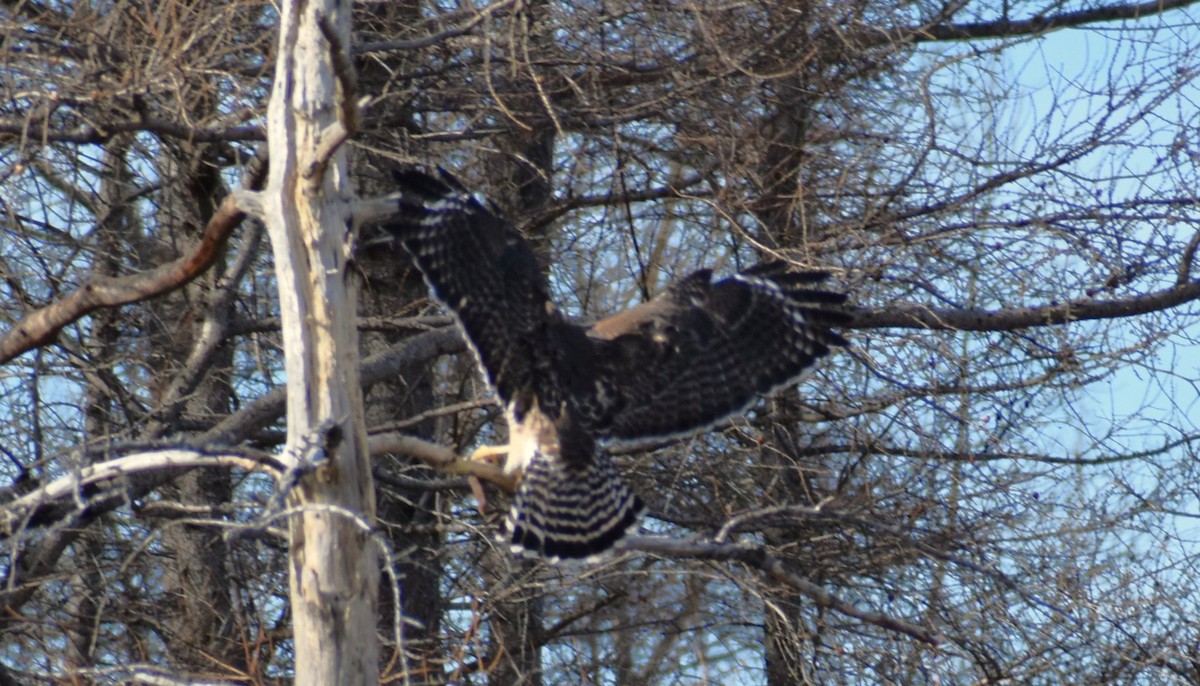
x: 333, y: 573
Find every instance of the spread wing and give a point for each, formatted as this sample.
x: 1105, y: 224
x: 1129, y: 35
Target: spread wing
x: 488, y: 276
x: 698, y: 353
x: 703, y: 351
x: 571, y: 501
x: 677, y: 364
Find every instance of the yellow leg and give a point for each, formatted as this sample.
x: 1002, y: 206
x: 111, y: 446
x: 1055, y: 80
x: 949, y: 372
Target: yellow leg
x: 488, y: 453
x: 484, y: 463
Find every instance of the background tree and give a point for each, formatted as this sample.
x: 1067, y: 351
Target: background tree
x: 996, y: 481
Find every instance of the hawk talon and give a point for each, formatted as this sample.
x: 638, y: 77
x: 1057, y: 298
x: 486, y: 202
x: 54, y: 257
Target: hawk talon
x: 488, y: 453
x: 477, y: 470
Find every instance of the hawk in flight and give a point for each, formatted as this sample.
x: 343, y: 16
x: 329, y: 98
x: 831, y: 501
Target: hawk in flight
x: 699, y: 352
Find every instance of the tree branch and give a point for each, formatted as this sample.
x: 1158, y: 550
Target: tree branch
x: 91, y: 479
x: 39, y: 327
x: 92, y: 135
x: 427, y: 41
x: 387, y: 364
x: 441, y: 458
x: 914, y: 316
x: 1004, y: 28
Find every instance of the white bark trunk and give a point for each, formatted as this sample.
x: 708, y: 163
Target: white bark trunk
x: 334, y: 566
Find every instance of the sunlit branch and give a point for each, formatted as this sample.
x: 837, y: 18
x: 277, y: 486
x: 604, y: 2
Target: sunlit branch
x: 40, y: 327
x: 93, y: 479
x: 440, y: 458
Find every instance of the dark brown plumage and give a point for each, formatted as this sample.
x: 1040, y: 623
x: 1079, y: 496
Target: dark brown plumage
x: 700, y: 351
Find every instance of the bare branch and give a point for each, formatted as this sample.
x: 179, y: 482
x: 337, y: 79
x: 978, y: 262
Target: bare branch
x: 1189, y: 258
x: 966, y: 319
x: 875, y: 447
x: 367, y: 210
x: 40, y: 327
x: 162, y: 127
x: 213, y: 333
x: 92, y: 478
x: 270, y: 406
x: 436, y: 38
x: 1039, y: 23
x: 150, y: 675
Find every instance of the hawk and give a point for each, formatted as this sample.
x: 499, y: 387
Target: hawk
x: 699, y: 352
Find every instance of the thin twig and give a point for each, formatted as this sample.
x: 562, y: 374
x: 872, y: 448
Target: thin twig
x: 757, y: 557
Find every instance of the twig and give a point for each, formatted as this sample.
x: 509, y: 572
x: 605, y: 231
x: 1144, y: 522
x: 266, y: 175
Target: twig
x: 757, y: 556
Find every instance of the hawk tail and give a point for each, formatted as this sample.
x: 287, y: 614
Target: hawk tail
x: 575, y: 509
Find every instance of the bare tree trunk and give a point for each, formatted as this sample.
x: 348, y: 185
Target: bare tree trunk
x: 783, y: 646
x: 791, y: 643
x: 522, y: 171
x: 200, y: 627
x: 517, y: 622
x: 100, y: 409
x: 333, y: 571
x: 408, y: 517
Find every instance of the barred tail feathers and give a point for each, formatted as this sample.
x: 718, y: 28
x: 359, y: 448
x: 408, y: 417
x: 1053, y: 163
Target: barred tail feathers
x: 571, y: 509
